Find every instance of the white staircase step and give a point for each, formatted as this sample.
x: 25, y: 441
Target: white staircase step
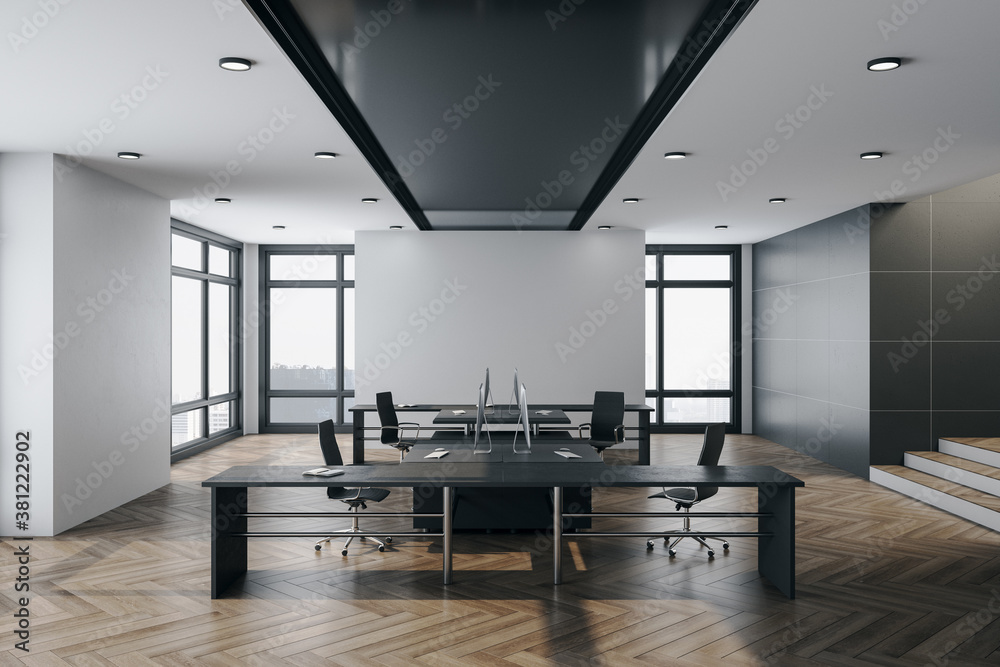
x: 981, y: 450
x: 976, y: 506
x: 976, y: 475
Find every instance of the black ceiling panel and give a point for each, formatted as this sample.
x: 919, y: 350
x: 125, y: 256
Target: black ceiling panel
x: 495, y: 114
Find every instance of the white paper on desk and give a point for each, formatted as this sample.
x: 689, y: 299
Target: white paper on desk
x: 568, y: 455
x: 543, y: 412
x: 458, y: 412
x: 435, y: 455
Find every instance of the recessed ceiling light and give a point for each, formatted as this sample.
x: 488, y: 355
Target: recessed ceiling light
x: 234, y: 64
x: 223, y: 200
x: 128, y: 155
x: 884, y: 64
x: 874, y: 155
x: 676, y: 155
x: 394, y: 227
x: 604, y: 227
x: 722, y: 226
x: 325, y: 155
x: 630, y: 200
x: 277, y: 227
x: 776, y: 200
x: 369, y: 200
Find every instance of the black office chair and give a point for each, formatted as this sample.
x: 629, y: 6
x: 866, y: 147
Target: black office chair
x: 355, y: 498
x: 392, y: 428
x: 711, y: 450
x: 606, y: 424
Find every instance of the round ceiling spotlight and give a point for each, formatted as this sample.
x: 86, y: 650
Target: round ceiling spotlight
x: 776, y: 200
x: 630, y: 200
x: 884, y: 64
x: 874, y: 155
x: 604, y: 227
x: 369, y: 200
x: 277, y: 226
x: 325, y: 155
x: 676, y: 155
x: 223, y: 200
x: 395, y: 227
x: 235, y: 64
x: 722, y: 226
x: 128, y: 155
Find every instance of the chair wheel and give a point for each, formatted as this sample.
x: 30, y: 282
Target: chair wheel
x: 649, y: 544
x: 725, y: 545
x: 319, y: 547
x: 344, y: 552
x: 672, y: 552
x: 389, y: 541
x: 711, y: 554
x: 381, y: 547
x: 666, y: 540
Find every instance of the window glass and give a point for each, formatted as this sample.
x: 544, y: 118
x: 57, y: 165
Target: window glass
x: 696, y: 333
x: 186, y: 340
x: 186, y: 253
x: 696, y: 410
x: 348, y: 267
x: 652, y: 317
x: 311, y: 410
x: 303, y: 267
x: 650, y: 267
x: 303, y: 338
x: 219, y: 304
x: 697, y: 267
x: 349, y: 338
x: 219, y: 261
x: 219, y: 417
x: 187, y: 426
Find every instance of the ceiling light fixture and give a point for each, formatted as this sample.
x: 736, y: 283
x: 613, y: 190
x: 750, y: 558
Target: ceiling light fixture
x: 128, y: 155
x: 369, y: 200
x: 722, y: 226
x: 874, y: 155
x: 884, y: 64
x: 676, y: 155
x: 325, y: 155
x: 223, y: 200
x: 277, y: 227
x: 630, y: 200
x: 776, y: 200
x: 604, y: 227
x: 395, y: 227
x: 235, y: 64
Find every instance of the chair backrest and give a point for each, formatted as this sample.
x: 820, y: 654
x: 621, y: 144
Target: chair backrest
x: 711, y: 451
x: 609, y: 412
x: 328, y: 443
x: 387, y: 416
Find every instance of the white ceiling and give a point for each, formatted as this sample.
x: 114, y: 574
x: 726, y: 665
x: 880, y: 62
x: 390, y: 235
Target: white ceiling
x: 63, y: 83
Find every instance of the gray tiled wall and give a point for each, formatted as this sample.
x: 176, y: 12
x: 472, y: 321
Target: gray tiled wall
x: 935, y: 305
x: 811, y: 340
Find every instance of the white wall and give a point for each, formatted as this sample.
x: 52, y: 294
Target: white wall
x: 26, y: 346
x: 434, y: 310
x: 112, y: 381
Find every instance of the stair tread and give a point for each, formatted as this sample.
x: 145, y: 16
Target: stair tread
x: 991, y: 444
x: 958, y: 462
x: 951, y: 488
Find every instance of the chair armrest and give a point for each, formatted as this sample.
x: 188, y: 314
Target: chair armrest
x: 620, y: 428
x: 583, y: 426
x: 409, y: 425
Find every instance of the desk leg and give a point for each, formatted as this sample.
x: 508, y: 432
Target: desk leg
x: 359, y: 438
x: 776, y: 554
x: 446, y: 500
x: 557, y: 503
x: 643, y: 438
x: 229, y: 553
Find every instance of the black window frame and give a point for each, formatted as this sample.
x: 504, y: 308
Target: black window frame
x: 235, y: 395
x: 266, y: 283
x: 735, y: 392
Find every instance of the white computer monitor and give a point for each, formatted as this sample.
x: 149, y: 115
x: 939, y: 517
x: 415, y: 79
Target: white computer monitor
x: 481, y: 422
x: 489, y: 397
x: 522, y: 404
x: 512, y: 406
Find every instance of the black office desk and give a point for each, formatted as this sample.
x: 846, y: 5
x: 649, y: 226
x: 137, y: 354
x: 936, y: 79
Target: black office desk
x: 359, y: 411
x: 500, y: 416
x: 775, y: 504
x: 479, y: 508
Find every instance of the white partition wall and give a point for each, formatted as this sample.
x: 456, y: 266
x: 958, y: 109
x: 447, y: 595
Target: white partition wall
x: 435, y: 309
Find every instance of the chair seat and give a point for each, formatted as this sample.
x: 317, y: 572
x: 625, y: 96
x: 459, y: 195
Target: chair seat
x: 681, y: 496
x: 366, y: 495
x: 602, y: 444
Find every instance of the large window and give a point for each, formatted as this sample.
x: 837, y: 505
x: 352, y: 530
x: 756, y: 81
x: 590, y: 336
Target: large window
x: 308, y: 346
x: 205, y: 342
x: 692, y: 315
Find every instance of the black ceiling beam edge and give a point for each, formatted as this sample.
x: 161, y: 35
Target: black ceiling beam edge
x: 286, y: 28
x: 719, y: 21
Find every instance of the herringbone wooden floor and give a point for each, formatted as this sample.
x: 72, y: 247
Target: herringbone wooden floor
x: 882, y: 579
